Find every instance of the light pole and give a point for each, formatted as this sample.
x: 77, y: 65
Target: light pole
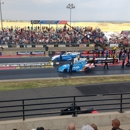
x: 1, y: 14
x: 70, y: 6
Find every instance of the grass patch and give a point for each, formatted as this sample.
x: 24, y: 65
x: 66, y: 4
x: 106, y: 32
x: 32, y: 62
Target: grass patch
x: 17, y: 85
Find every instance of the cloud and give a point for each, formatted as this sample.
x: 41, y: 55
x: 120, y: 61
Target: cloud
x: 45, y: 1
x: 42, y: 1
x: 56, y: 9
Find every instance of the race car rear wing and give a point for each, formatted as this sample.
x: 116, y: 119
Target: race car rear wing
x: 99, y: 60
x: 103, y: 60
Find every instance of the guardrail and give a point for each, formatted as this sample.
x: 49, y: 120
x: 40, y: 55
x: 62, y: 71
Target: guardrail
x: 32, y: 64
x: 43, y: 45
x: 37, y: 107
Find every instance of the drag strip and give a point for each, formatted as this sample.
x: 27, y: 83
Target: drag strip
x: 27, y: 73
x: 52, y: 73
x: 24, y: 60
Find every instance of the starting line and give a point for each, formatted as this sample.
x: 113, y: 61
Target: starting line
x: 32, y: 64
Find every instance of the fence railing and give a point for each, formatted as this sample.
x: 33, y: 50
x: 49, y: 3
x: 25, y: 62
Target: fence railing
x: 33, y: 45
x: 42, y: 45
x: 53, y: 106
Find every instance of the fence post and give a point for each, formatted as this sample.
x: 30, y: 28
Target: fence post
x: 74, y: 115
x: 23, y: 110
x: 121, y: 96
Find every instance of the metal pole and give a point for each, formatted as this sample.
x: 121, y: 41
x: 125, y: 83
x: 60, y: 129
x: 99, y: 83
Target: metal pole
x: 70, y: 16
x: 1, y: 15
x: 74, y: 110
x: 23, y: 110
x: 121, y: 98
x: 70, y: 6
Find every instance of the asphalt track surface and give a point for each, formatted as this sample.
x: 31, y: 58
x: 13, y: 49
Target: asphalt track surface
x: 24, y: 60
x: 52, y: 72
x: 104, y: 88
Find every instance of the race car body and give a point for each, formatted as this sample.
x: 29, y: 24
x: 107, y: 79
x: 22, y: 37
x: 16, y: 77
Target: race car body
x: 109, y: 60
x: 99, y: 60
x: 65, y: 57
x: 74, y: 109
x: 85, y: 52
x: 80, y: 65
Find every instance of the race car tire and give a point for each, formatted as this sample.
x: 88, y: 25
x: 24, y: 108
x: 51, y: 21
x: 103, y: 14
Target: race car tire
x: 127, y: 65
x: 86, y: 69
x: 65, y: 71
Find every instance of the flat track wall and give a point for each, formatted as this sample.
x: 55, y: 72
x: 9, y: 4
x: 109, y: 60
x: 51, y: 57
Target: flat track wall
x: 61, y: 122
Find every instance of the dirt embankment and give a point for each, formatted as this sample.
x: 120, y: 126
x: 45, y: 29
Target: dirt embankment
x: 114, y: 27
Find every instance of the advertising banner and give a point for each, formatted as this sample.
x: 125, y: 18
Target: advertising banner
x: 82, y: 45
x: 52, y: 53
x: 35, y: 21
x: 23, y: 53
x: 31, y: 53
x: 37, y: 52
x: 48, y: 21
x: 112, y: 45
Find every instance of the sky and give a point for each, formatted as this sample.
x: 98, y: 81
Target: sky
x: 85, y: 10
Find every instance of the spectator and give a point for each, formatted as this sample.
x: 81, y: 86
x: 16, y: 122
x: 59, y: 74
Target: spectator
x: 40, y: 128
x: 60, y: 35
x: 71, y: 67
x: 123, y: 59
x: 106, y: 63
x: 116, y: 124
x: 87, y: 127
x: 50, y: 35
x: 94, y: 126
x: 107, y: 53
x: 128, y: 54
x: 71, y: 127
x: 120, y: 54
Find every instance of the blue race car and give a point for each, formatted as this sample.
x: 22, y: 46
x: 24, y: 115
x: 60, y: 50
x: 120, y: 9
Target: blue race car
x: 68, y: 56
x: 80, y: 65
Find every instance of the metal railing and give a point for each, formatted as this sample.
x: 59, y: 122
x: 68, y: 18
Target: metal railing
x: 53, y: 106
x: 33, y: 45
x: 25, y: 45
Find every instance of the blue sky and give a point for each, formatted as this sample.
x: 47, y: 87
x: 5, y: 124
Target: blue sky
x: 95, y: 10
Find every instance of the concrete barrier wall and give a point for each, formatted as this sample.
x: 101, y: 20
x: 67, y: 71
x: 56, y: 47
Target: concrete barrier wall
x: 61, y: 122
x: 9, y: 52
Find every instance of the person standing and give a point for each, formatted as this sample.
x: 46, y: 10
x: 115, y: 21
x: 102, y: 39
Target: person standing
x: 114, y: 49
x: 113, y: 59
x: 107, y: 53
x: 71, y: 66
x: 120, y: 54
x: 93, y: 61
x: 98, y: 53
x: 87, y: 58
x: 103, y: 53
x: 110, y: 53
x: 78, y: 56
x: 60, y: 56
x: 106, y: 64
x: 123, y: 59
x: 128, y: 54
